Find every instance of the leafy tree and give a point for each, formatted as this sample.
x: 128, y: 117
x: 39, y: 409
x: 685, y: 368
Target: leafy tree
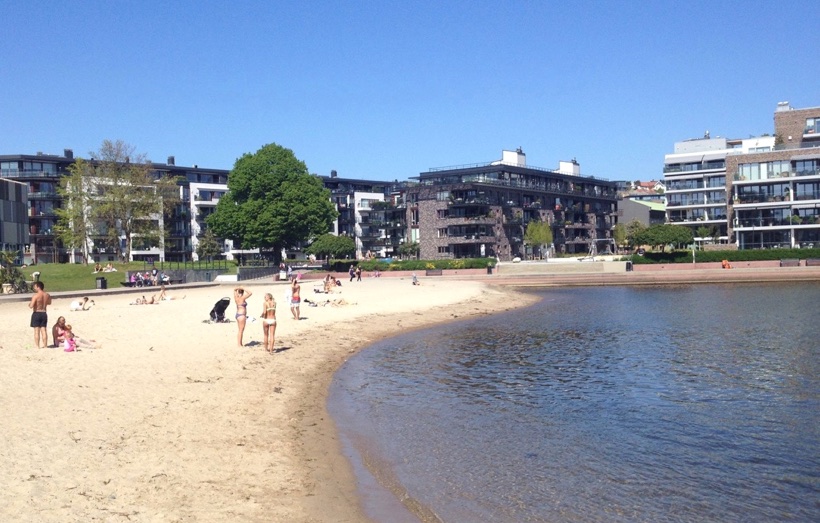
x: 10, y: 274
x: 663, y: 235
x: 122, y: 197
x: 330, y: 245
x: 208, y: 246
x: 272, y: 202
x: 634, y: 229
x: 74, y: 226
x: 538, y: 233
x: 409, y: 250
x: 619, y: 235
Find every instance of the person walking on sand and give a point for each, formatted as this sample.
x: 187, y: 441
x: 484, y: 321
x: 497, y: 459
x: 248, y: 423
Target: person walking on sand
x: 39, y: 316
x: 352, y: 272
x: 358, y: 273
x: 295, y: 299
x: 269, y: 321
x: 240, y: 297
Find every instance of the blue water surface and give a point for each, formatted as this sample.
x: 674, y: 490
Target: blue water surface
x: 670, y: 403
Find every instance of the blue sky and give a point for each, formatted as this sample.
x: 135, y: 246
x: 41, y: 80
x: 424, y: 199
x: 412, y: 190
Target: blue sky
x: 385, y: 90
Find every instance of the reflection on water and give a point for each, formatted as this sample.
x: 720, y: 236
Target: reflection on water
x: 681, y: 403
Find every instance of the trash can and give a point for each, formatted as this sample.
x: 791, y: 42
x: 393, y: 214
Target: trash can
x: 102, y: 283
x: 489, y: 269
x: 628, y: 266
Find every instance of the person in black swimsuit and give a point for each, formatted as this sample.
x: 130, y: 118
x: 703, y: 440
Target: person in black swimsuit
x: 39, y: 317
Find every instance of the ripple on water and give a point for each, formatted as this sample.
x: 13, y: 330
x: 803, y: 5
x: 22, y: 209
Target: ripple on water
x: 603, y: 404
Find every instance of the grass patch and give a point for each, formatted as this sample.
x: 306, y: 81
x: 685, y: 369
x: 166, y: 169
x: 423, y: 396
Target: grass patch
x: 59, y: 277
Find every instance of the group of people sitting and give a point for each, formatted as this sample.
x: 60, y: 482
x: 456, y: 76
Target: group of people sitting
x: 107, y: 268
x: 329, y: 284
x: 149, y: 279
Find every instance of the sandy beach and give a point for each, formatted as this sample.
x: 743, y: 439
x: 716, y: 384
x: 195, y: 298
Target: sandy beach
x: 170, y: 421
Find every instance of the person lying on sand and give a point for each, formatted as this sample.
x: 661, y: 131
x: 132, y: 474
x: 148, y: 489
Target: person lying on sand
x: 83, y: 305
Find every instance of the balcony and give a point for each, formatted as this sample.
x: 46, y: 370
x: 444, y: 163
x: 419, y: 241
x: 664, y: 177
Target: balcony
x: 470, y: 220
x: 43, y: 195
x: 695, y: 168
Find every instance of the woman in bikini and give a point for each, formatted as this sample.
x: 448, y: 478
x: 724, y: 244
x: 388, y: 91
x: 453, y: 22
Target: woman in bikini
x: 269, y: 321
x: 295, y: 299
x: 240, y: 297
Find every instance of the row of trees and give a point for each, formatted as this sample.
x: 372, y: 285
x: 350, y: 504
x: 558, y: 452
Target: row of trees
x: 635, y: 234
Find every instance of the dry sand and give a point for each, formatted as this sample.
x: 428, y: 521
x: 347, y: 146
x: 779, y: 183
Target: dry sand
x: 170, y: 421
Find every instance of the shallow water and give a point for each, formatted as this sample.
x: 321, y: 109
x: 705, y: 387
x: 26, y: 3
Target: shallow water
x: 684, y: 403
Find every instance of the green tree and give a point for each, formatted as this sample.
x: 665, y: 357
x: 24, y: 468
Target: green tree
x: 633, y: 230
x: 272, y: 202
x: 74, y: 226
x: 538, y: 233
x: 208, y: 246
x: 619, y: 235
x: 330, y: 245
x: 122, y: 198
x: 663, y: 235
x: 409, y: 250
x: 10, y: 274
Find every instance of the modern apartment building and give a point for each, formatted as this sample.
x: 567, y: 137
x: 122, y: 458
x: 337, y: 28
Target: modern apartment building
x: 775, y: 188
x: 14, y: 227
x: 370, y: 212
x: 41, y: 174
x: 483, y: 209
x: 759, y: 192
x: 696, y: 187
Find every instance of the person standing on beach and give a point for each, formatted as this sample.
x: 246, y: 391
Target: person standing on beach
x: 295, y: 298
x: 268, y: 317
x: 39, y: 317
x: 240, y: 297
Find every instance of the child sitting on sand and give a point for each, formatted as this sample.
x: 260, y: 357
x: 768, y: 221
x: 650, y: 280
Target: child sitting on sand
x: 69, y: 343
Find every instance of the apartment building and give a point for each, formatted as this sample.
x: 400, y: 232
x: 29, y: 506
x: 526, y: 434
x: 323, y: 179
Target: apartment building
x: 372, y: 213
x: 41, y: 174
x: 14, y: 227
x: 696, y: 186
x: 756, y: 193
x: 775, y: 188
x: 483, y: 209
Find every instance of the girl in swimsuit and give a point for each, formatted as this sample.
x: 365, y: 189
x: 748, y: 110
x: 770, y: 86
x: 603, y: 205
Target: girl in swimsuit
x: 269, y: 321
x: 295, y: 299
x: 240, y: 297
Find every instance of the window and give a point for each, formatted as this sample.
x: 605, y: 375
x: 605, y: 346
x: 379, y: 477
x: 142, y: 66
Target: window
x: 807, y: 167
x: 812, y: 126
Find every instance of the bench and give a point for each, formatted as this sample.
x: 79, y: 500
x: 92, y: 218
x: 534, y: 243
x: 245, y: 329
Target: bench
x: 790, y: 262
x: 812, y: 262
x: 432, y: 272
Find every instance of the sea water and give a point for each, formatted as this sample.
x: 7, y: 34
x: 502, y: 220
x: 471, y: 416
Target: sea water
x: 684, y: 403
